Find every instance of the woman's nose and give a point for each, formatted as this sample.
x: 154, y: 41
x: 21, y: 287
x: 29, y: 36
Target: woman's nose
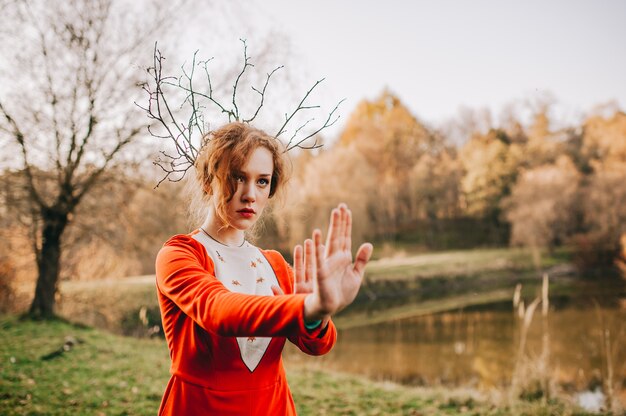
x: 248, y: 192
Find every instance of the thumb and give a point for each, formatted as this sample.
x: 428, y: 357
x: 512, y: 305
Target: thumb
x: 362, y: 257
x: 277, y: 290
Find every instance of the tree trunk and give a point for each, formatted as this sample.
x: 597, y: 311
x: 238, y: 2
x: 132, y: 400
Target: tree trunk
x: 48, y: 263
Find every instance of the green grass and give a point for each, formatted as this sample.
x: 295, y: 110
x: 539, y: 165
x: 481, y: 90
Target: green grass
x: 100, y: 374
x: 460, y: 263
x: 105, y: 374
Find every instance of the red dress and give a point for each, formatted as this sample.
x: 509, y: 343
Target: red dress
x: 202, y: 320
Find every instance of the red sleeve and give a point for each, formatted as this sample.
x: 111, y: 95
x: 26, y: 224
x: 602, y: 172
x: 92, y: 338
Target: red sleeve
x: 184, y: 274
x: 318, y: 341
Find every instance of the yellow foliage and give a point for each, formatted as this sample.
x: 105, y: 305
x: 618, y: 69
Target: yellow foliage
x: 331, y: 177
x: 604, y: 139
x: 490, y: 167
x: 387, y: 134
x: 434, y: 184
x: 543, y: 146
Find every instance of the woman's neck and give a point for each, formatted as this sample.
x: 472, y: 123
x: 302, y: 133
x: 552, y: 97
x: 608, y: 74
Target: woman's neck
x: 216, y: 229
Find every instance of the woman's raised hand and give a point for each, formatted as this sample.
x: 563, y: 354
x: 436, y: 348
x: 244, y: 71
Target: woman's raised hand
x: 304, y: 269
x: 329, y: 276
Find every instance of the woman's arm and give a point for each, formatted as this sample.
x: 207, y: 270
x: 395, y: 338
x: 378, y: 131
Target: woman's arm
x: 191, y: 285
x: 184, y: 280
x: 320, y: 339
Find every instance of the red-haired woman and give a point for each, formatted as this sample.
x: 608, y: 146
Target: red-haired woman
x: 228, y: 306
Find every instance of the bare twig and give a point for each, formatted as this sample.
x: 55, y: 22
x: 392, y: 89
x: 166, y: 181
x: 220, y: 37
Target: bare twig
x: 326, y: 124
x: 300, y: 107
x: 262, y: 94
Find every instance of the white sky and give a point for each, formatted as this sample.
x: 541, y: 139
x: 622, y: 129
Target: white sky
x: 439, y: 56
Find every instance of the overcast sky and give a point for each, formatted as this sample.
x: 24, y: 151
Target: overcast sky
x: 438, y: 56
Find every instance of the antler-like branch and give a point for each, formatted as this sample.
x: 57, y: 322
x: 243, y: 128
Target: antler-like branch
x: 315, y: 145
x: 159, y: 111
x: 301, y: 106
x: 246, y: 64
x: 262, y: 94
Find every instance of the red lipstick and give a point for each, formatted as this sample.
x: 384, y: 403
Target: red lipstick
x: 246, y: 212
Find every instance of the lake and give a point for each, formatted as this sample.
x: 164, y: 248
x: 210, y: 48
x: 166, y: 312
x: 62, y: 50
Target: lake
x: 478, y: 348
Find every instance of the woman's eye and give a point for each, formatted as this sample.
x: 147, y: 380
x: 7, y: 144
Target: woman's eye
x: 239, y: 178
x: 263, y: 182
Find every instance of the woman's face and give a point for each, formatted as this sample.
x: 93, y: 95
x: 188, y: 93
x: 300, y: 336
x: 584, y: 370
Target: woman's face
x: 253, y: 190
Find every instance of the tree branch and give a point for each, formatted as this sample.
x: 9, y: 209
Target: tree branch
x: 245, y: 66
x: 298, y: 108
x: 50, y: 89
x: 19, y: 137
x: 326, y: 124
x: 91, y: 179
x: 262, y: 94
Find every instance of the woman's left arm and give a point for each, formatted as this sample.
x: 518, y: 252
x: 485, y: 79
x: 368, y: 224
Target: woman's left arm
x: 317, y: 341
x: 322, y: 335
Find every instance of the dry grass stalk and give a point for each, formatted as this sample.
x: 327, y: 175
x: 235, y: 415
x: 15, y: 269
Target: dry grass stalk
x: 519, y: 361
x: 607, y: 369
x: 544, y: 359
x: 517, y: 296
x: 538, y: 369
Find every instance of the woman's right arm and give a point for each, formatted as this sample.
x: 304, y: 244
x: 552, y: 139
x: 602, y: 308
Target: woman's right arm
x: 195, y: 290
x: 185, y: 281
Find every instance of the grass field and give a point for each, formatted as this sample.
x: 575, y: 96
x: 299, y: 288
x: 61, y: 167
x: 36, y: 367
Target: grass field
x: 57, y: 368
x: 460, y: 263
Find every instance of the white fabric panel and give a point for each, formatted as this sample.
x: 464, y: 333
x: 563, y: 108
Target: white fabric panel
x: 242, y: 270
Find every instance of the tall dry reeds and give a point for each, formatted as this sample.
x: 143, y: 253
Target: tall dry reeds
x: 544, y: 358
x: 607, y: 355
x: 527, y: 371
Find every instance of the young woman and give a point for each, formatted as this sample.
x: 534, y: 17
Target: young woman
x: 227, y: 306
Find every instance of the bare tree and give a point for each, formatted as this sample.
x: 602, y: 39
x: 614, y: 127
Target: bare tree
x: 66, y: 106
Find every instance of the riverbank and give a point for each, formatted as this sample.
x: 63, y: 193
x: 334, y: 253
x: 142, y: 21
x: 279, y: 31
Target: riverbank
x: 56, y: 368
x: 400, y: 287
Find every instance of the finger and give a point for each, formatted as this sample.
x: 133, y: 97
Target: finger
x: 309, y: 260
x: 333, y: 242
x: 318, y: 250
x: 347, y: 243
x: 343, y: 209
x: 332, y: 225
x: 276, y: 290
x: 298, y: 267
x: 362, y: 257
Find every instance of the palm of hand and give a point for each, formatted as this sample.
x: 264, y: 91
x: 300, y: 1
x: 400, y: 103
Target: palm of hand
x: 328, y: 274
x: 338, y: 282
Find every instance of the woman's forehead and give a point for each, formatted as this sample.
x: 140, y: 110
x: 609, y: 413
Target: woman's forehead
x: 260, y: 162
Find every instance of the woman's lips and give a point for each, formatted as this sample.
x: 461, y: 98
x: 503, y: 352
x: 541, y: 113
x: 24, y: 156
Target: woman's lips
x: 246, y: 213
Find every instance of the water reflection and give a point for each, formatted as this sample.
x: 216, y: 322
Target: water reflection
x: 478, y: 349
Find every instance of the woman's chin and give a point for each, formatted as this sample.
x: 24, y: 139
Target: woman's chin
x: 243, y: 224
